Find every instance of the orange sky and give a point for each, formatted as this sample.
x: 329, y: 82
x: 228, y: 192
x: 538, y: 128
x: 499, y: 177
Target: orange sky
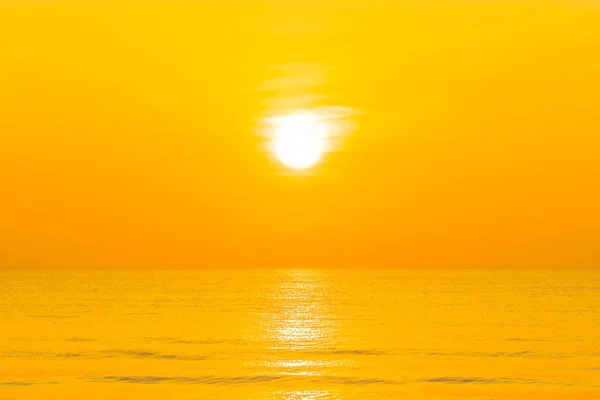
x: 128, y: 133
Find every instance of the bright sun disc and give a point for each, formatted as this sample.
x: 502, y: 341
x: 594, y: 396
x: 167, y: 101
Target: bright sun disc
x: 299, y: 140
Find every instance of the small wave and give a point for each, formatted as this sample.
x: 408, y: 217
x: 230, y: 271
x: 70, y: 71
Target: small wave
x: 27, y: 383
x: 251, y: 379
x: 150, y: 354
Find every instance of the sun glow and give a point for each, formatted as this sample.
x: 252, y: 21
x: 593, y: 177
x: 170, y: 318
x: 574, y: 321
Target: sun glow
x: 299, y: 140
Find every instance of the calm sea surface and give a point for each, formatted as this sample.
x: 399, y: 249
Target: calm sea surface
x: 300, y: 334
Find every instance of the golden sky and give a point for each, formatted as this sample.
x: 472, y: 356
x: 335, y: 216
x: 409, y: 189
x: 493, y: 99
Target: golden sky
x: 129, y: 133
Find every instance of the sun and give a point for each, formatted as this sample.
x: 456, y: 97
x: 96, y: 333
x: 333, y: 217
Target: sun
x: 299, y: 140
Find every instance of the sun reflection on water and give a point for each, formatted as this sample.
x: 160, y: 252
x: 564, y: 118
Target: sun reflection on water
x: 305, y: 395
x: 299, y: 325
x: 303, y: 320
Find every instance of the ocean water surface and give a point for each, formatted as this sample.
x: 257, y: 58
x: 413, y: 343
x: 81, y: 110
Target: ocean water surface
x: 300, y: 334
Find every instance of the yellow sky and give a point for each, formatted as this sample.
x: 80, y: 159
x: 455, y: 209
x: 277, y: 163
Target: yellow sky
x: 128, y: 133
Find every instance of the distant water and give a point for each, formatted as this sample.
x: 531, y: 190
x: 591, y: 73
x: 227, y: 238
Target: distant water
x: 300, y: 334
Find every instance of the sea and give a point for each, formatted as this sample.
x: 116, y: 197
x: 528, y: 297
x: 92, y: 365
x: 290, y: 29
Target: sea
x: 300, y: 334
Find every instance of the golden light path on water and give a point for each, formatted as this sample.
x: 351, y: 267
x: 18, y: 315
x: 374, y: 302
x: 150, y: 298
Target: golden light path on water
x: 299, y: 328
x: 305, y: 395
x: 305, y: 322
